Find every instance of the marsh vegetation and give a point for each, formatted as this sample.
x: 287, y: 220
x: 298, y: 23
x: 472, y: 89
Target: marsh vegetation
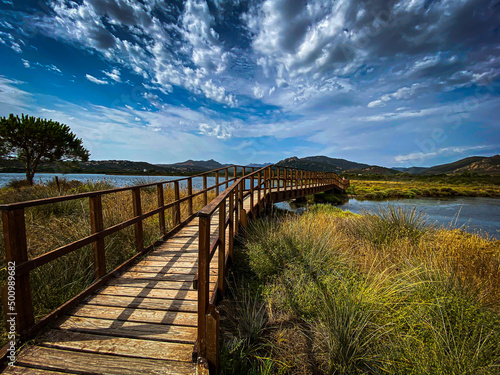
x: 331, y: 292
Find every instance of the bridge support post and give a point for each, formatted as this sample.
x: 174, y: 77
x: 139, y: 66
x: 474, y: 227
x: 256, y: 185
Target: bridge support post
x: 222, y: 247
x: 203, y: 282
x: 190, y: 194
x: 213, y: 339
x: 205, y: 196
x: 96, y: 225
x: 16, y: 252
x: 176, y: 217
x: 161, y: 203
x: 139, y: 236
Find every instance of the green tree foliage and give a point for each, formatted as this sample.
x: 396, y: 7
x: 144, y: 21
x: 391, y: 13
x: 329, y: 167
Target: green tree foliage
x: 34, y: 140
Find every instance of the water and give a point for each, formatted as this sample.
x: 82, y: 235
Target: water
x: 117, y: 180
x: 473, y: 214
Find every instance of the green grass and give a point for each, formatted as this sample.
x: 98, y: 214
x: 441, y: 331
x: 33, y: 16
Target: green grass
x: 372, y: 189
x: 330, y: 292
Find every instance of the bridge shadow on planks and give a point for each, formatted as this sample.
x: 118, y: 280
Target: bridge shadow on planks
x: 142, y: 321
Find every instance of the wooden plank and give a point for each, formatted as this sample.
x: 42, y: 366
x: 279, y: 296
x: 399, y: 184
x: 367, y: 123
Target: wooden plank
x: 136, y: 315
x: 117, y: 345
x: 149, y: 284
x: 144, y: 303
x: 119, y: 290
x: 79, y: 362
x: 161, y: 276
x: 158, y: 262
x: 148, y: 276
x: 162, y: 269
x: 143, y: 331
x: 31, y: 371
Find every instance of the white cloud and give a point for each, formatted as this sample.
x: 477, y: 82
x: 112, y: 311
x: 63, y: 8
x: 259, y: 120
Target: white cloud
x: 26, y: 63
x: 376, y: 103
x: 114, y: 74
x: 421, y: 156
x: 96, y: 80
x: 218, y: 131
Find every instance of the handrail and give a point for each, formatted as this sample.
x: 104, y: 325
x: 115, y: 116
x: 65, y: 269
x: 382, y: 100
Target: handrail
x: 16, y: 249
x: 295, y: 182
x: 38, y: 202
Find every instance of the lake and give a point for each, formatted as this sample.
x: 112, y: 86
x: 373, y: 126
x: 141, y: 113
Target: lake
x: 473, y: 214
x: 117, y: 180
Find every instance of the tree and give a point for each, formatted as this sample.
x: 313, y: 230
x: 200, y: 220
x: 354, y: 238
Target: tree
x: 34, y: 140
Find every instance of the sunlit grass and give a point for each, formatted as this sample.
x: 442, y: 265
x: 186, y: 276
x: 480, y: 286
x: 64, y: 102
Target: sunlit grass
x: 383, y: 294
x: 379, y: 190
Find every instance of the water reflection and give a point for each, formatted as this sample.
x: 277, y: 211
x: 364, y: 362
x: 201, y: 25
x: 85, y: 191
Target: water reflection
x: 473, y: 214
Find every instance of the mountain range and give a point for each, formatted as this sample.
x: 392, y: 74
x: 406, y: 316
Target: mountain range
x: 477, y: 164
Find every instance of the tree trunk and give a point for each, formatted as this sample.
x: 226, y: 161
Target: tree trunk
x: 29, y: 176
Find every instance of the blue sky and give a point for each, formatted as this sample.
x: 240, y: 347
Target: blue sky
x: 393, y: 83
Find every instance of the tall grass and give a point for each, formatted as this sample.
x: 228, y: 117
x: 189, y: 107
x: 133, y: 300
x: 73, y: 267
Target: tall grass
x: 54, y: 225
x: 383, y: 294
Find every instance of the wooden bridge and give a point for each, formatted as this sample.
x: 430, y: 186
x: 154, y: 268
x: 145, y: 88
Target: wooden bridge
x: 155, y: 313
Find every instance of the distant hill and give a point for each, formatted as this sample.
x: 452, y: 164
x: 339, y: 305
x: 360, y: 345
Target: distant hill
x: 477, y: 164
x: 254, y: 165
x: 321, y: 164
x: 374, y: 169
x: 452, y: 167
x: 194, y: 165
x: 412, y: 170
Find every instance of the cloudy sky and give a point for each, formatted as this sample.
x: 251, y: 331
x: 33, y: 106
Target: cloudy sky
x: 394, y: 83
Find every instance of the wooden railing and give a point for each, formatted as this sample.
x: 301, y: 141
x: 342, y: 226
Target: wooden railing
x: 266, y: 185
x: 16, y: 249
x: 262, y: 187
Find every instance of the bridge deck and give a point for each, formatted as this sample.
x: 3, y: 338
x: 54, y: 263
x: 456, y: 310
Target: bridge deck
x: 144, y: 321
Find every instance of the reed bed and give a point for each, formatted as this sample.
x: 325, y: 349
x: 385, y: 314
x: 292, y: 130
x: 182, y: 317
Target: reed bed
x: 379, y: 190
x: 51, y: 226
x: 338, y: 293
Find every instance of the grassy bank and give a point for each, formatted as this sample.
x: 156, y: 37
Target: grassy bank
x: 377, y: 190
x: 51, y: 226
x: 330, y: 292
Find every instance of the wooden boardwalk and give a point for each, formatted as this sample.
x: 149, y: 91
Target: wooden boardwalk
x: 149, y: 319
x: 143, y: 321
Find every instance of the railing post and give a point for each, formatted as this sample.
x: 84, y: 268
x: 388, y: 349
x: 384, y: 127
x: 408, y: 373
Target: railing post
x: 203, y: 282
x: 259, y: 192
x: 190, y: 194
x: 212, y: 318
x: 97, y: 225
x: 161, y: 203
x: 139, y: 235
x: 176, y: 217
x: 264, y: 197
x: 237, y: 209
x: 222, y: 246
x: 216, y: 183
x: 205, y: 198
x: 278, y: 181
x: 251, y: 193
x: 235, y: 172
x: 241, y: 208
x: 16, y: 252
x: 226, y: 176
x: 231, y: 223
